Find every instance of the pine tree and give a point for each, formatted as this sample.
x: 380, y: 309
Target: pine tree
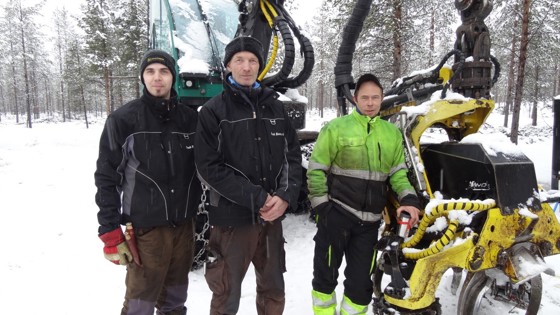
x: 22, y: 19
x: 97, y: 23
x: 62, y: 26
x: 131, y: 31
x: 13, y: 55
x: 76, y: 72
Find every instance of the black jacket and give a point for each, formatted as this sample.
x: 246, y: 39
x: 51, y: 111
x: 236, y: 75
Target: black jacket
x: 146, y: 160
x: 246, y: 147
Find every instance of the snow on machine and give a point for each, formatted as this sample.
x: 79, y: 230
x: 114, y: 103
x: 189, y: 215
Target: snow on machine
x: 483, y: 216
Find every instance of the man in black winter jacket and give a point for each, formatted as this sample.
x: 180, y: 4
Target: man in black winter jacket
x: 146, y: 176
x: 248, y: 154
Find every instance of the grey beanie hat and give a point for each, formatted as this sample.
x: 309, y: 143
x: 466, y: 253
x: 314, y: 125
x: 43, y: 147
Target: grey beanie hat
x: 157, y: 56
x: 244, y: 43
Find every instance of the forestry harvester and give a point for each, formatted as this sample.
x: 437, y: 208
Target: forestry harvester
x: 483, y: 217
x: 483, y: 214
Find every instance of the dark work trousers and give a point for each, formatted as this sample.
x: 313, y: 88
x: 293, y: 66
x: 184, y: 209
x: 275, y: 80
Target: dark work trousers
x: 162, y: 281
x: 236, y: 248
x: 340, y: 234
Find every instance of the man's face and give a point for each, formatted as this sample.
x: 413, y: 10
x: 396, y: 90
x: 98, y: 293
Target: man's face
x: 368, y: 99
x: 244, y: 67
x: 158, y: 80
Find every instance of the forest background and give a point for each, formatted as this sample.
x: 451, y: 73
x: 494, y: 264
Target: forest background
x: 74, y: 65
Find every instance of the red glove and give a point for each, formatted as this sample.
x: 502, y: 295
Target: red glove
x: 115, y: 248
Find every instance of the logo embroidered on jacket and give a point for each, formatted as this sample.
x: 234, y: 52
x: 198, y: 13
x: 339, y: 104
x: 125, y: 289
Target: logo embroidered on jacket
x: 277, y: 134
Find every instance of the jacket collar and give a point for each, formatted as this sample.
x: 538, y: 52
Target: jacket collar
x: 363, y: 119
x: 230, y: 79
x: 257, y: 92
x: 159, y: 106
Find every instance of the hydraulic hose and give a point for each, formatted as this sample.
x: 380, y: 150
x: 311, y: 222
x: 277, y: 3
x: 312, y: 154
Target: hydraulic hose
x: 442, y: 209
x: 343, y: 68
x: 461, y: 63
x: 447, y: 237
x: 272, y: 58
x: 426, y: 77
x: 289, y: 54
x: 306, y: 49
x: 389, y: 103
x: 308, y: 63
x: 289, y: 47
x: 497, y: 69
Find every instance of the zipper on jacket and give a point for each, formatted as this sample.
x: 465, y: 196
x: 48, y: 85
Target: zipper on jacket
x: 164, y: 138
x: 368, y: 125
x: 367, y: 196
x: 260, y: 136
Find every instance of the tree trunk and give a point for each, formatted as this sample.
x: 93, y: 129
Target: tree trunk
x: 511, y: 73
x: 321, y: 93
x: 81, y: 86
x: 432, y: 47
x: 48, y: 98
x: 34, y: 91
x: 397, y: 39
x: 14, y: 75
x: 98, y: 110
x: 520, y: 71
x: 137, y: 87
x: 554, y: 86
x: 25, y: 76
x: 61, y: 72
x: 84, y: 105
x: 320, y: 98
x: 557, y: 81
x: 121, y: 96
x: 2, y: 101
x: 107, y: 82
x: 535, y: 97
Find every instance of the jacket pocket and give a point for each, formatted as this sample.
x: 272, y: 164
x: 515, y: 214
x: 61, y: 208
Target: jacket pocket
x: 149, y: 243
x: 216, y: 272
x: 352, y: 153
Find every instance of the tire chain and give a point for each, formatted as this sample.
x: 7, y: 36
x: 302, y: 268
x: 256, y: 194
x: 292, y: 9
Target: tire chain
x: 200, y: 238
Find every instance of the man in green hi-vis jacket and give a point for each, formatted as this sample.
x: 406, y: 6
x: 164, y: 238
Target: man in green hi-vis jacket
x: 355, y: 161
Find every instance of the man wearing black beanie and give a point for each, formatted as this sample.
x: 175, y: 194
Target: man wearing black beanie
x: 146, y: 177
x: 157, y: 56
x: 155, y: 61
x: 248, y: 155
x: 244, y: 43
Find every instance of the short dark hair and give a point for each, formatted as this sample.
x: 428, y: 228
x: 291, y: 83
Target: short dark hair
x: 368, y: 77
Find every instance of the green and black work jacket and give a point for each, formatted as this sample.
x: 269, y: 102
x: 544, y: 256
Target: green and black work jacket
x: 354, y: 159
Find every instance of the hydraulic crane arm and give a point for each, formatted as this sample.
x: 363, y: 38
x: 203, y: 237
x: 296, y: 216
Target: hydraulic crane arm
x: 264, y: 20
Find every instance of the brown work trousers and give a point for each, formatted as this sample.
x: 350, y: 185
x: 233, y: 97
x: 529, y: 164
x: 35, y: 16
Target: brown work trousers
x: 162, y: 281
x: 235, y: 248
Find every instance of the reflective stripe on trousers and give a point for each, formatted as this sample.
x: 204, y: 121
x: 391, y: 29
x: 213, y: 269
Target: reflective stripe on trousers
x: 323, y: 304
x: 347, y: 307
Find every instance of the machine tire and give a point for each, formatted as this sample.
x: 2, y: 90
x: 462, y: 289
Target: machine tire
x: 477, y: 284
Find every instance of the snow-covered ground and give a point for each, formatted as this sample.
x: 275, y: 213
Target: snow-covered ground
x: 52, y: 261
